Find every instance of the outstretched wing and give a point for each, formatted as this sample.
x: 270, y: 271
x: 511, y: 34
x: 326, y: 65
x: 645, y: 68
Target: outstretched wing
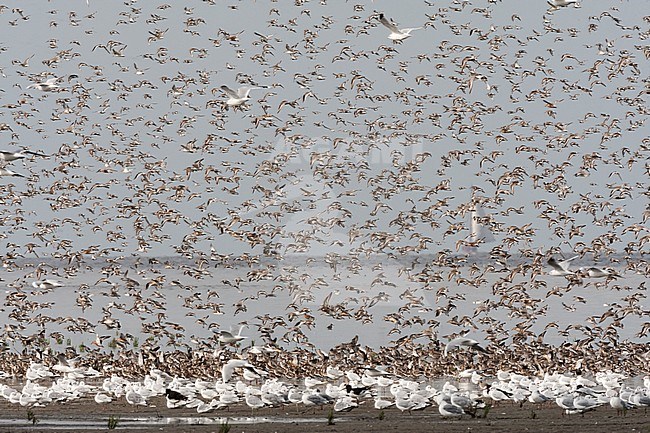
x: 29, y: 152
x: 565, y: 263
x: 243, y: 92
x: 555, y: 264
x: 392, y: 27
x: 231, y: 93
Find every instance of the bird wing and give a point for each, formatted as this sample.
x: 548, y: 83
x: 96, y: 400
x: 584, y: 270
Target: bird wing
x: 243, y: 92
x: 230, y: 92
x: 558, y: 266
x: 453, y: 409
x: 392, y: 27
x: 29, y: 152
x: 564, y: 264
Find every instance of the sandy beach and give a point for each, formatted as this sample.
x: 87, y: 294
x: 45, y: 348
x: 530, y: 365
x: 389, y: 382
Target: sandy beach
x: 85, y: 415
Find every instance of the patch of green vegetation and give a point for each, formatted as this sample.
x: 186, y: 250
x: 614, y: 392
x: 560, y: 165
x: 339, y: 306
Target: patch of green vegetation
x: 225, y: 427
x: 486, y: 410
x: 31, y: 417
x: 113, y: 421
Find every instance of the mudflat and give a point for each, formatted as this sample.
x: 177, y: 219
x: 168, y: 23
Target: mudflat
x: 86, y: 416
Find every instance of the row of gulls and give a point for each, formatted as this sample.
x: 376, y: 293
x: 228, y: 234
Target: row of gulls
x: 572, y: 393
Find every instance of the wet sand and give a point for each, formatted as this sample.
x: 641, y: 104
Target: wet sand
x: 79, y: 415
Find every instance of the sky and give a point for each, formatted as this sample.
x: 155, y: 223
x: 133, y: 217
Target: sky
x: 356, y: 144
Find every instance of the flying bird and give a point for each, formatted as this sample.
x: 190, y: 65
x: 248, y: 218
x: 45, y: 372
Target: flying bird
x: 560, y: 268
x: 562, y: 3
x: 7, y: 156
x: 235, y: 99
x: 6, y: 172
x: 396, y: 34
x: 463, y: 342
x: 227, y: 337
x: 46, y: 86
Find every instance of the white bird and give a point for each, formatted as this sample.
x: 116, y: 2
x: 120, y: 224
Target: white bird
x: 345, y: 404
x: 619, y: 404
x: 227, y: 337
x: 639, y: 400
x: 585, y: 403
x: 463, y: 342
x: 562, y: 3
x: 235, y: 99
x: 382, y: 404
x: 314, y: 398
x: 46, y: 284
x: 565, y: 402
x: 134, y: 397
x: 253, y: 400
x: 46, y: 86
x: 396, y: 34
x: 375, y: 372
x: 333, y: 372
x: 7, y: 156
x: 450, y: 410
x: 6, y: 172
x: 594, y: 272
x: 537, y: 397
x: 560, y: 268
x: 102, y: 398
x: 230, y: 366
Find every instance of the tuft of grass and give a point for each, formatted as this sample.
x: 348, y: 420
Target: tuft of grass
x: 486, y: 410
x: 136, y: 342
x: 31, y: 417
x: 113, y: 421
x: 224, y: 427
x: 330, y: 417
x: 112, y: 344
x: 382, y: 415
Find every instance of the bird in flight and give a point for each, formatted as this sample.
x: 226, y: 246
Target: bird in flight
x: 46, y: 86
x: 463, y: 342
x: 239, y: 97
x: 396, y: 34
x: 560, y: 268
x: 562, y: 3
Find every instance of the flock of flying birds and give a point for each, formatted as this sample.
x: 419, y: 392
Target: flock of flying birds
x: 336, y: 128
